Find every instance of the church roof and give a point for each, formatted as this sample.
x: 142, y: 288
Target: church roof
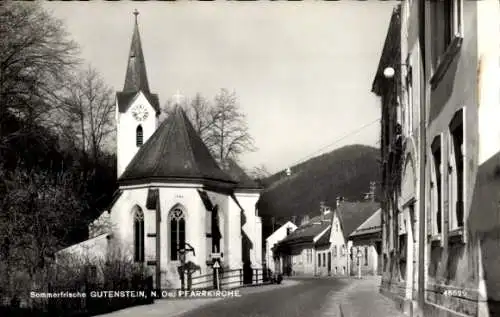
x: 125, y: 99
x: 136, y: 78
x: 175, y: 152
x: 237, y: 173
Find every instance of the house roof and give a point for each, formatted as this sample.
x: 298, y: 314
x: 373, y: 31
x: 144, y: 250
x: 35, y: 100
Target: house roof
x: 308, y: 231
x: 371, y: 225
x: 237, y: 173
x: 324, y: 239
x: 353, y: 214
x: 175, y: 153
x: 285, y: 225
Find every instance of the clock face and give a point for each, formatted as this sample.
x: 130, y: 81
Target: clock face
x: 140, y: 113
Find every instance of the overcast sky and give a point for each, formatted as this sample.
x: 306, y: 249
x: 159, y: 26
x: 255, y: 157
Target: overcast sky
x: 302, y: 71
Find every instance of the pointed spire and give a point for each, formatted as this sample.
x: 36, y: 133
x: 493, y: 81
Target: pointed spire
x: 136, y: 78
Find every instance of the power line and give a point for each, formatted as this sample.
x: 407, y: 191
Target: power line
x: 337, y: 141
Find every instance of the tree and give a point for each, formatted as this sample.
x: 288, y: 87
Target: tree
x: 87, y: 109
x: 229, y: 136
x: 39, y: 211
x: 35, y: 58
x: 259, y: 172
x: 221, y: 125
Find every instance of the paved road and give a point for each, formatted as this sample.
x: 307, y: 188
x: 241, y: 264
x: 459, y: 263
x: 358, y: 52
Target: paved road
x: 305, y: 299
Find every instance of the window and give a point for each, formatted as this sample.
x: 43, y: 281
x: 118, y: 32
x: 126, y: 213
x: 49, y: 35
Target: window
x: 177, y: 232
x: 436, y: 185
x: 288, y: 230
x: 138, y: 136
x: 408, y: 120
x: 343, y: 250
x: 309, y: 255
x: 446, y: 25
x: 324, y: 259
x: 334, y: 250
x: 138, y: 234
x: 319, y: 260
x: 456, y: 171
x: 216, y: 234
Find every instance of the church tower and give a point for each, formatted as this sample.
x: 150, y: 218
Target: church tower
x: 137, y: 109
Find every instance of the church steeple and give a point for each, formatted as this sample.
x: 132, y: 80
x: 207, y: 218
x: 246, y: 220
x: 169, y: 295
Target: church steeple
x: 136, y: 78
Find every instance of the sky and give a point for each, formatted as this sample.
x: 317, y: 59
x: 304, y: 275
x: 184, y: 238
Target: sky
x: 302, y: 71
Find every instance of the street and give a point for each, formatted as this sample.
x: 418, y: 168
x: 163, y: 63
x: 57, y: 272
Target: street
x: 304, y: 299
x: 320, y: 297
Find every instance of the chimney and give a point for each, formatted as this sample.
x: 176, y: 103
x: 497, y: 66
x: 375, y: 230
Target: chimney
x: 304, y: 220
x: 371, y: 194
x: 294, y: 218
x: 339, y: 200
x: 321, y: 207
x: 326, y: 210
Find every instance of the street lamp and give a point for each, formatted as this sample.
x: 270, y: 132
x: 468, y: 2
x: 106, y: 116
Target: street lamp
x: 389, y: 72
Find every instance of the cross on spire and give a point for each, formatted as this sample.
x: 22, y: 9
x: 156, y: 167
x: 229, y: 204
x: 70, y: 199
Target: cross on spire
x: 178, y: 98
x: 136, y: 13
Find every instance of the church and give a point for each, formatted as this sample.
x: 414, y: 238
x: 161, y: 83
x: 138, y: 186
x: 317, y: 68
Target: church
x: 173, y: 195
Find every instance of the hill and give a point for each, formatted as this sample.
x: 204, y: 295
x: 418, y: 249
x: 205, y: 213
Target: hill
x: 345, y: 172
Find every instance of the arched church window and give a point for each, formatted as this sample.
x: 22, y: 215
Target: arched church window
x: 138, y: 235
x: 138, y: 135
x: 177, y: 232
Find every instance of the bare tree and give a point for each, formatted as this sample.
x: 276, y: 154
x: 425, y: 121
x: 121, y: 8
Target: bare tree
x: 35, y: 57
x: 229, y: 136
x: 221, y: 125
x: 88, y: 112
x: 259, y: 172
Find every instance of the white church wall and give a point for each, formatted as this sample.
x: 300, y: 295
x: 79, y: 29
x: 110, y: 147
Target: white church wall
x: 126, y: 132
x: 189, y: 200
x: 252, y: 226
x: 222, y: 202
x: 234, y: 235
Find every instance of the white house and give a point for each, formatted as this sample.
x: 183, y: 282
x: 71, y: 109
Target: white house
x: 172, y: 193
x: 281, y: 233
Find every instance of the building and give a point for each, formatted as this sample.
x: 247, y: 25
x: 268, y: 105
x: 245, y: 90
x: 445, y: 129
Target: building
x: 173, y: 196
x: 347, y: 217
x: 300, y: 249
x: 321, y: 246
x: 273, y: 262
x: 366, y: 243
x: 440, y: 218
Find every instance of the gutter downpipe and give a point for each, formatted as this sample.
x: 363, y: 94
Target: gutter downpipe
x: 423, y: 37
